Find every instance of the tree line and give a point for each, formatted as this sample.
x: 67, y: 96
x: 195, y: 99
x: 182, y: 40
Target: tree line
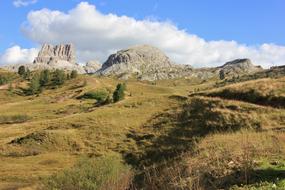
x: 44, y: 79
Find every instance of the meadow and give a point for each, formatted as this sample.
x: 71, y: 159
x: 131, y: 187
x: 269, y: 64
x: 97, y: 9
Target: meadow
x: 169, y: 134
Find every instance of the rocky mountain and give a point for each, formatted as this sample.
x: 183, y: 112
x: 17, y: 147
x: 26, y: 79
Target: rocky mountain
x: 50, y: 54
x: 92, y: 67
x: 57, y: 57
x: 143, y: 62
x: 238, y: 67
x: 61, y: 56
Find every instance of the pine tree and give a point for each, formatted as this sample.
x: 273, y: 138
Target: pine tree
x: 21, y: 70
x: 58, y: 77
x: 34, y: 85
x: 45, y: 77
x: 119, y: 93
x: 27, y: 74
x: 222, y: 75
x: 73, y: 74
x: 67, y: 76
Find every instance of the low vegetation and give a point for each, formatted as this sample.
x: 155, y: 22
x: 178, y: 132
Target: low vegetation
x: 107, y: 172
x: 6, y: 77
x: 100, y: 95
x: 251, y: 96
x: 10, y: 119
x: 158, y: 137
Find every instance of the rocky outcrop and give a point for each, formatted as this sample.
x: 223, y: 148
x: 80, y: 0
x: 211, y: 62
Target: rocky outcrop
x: 53, y: 57
x: 92, y: 67
x: 49, y: 54
x: 57, y: 57
x: 149, y: 63
x: 143, y: 62
x: 239, y: 67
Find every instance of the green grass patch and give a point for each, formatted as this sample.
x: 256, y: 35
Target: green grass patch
x: 99, y: 95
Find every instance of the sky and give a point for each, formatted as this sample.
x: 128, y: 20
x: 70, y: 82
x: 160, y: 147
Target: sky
x: 202, y: 33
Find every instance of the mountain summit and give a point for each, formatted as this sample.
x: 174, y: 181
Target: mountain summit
x: 144, y: 62
x: 53, y: 54
x: 239, y: 66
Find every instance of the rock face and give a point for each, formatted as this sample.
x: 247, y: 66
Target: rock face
x: 56, y: 57
x: 92, y: 67
x: 235, y: 68
x: 143, y: 62
x: 49, y: 54
x: 239, y: 67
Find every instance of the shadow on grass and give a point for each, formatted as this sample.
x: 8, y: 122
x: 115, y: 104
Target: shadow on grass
x: 168, y: 135
x: 251, y: 96
x: 256, y: 178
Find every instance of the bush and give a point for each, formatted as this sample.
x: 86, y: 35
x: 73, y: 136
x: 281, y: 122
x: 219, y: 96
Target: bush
x: 100, y: 95
x: 119, y: 93
x: 10, y: 119
x: 107, y: 172
x: 73, y: 74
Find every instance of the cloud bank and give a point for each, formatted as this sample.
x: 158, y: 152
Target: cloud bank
x: 96, y: 35
x: 23, y: 3
x: 16, y: 54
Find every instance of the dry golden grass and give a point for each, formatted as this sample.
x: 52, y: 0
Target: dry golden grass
x: 62, y: 128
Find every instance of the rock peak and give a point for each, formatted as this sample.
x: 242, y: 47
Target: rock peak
x: 61, y: 52
x: 239, y: 61
x: 137, y: 57
x: 144, y: 62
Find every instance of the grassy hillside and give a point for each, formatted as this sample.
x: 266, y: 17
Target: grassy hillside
x: 171, y: 134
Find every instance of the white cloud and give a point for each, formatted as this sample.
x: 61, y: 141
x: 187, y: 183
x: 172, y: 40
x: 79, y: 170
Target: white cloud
x: 24, y: 3
x: 16, y: 54
x: 96, y: 35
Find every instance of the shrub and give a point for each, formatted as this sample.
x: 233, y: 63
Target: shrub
x: 22, y: 70
x: 10, y: 119
x: 73, y: 74
x: 99, y: 95
x: 107, y: 172
x: 119, y: 93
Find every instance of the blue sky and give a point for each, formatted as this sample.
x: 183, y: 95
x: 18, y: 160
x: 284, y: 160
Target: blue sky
x: 247, y: 22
